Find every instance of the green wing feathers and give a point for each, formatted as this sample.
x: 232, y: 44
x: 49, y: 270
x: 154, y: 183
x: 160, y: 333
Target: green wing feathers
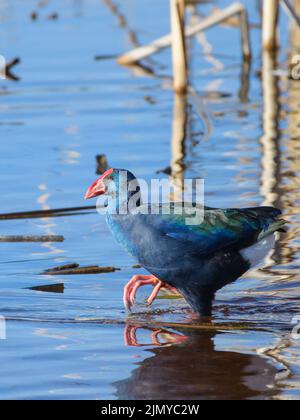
x: 221, y: 230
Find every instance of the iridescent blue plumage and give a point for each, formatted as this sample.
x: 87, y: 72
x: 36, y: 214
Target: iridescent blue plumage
x: 196, y: 260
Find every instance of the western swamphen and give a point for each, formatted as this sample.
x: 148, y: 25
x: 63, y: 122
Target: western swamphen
x: 196, y: 260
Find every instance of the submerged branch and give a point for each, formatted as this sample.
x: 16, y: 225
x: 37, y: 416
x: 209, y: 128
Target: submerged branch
x: 76, y: 269
x: 21, y: 238
x: 49, y: 288
x: 46, y: 213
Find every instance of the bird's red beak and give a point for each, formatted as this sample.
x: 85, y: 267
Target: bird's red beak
x: 98, y: 187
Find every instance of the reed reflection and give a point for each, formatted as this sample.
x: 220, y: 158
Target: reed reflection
x: 270, y: 176
x: 290, y: 187
x: 280, y: 183
x: 179, y: 132
x: 122, y: 22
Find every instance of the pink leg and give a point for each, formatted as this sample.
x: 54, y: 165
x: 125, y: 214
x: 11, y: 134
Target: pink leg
x: 171, y: 337
x: 136, y: 282
x: 130, y: 337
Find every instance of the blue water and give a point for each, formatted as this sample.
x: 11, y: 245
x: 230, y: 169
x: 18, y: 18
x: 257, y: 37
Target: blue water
x: 67, y: 108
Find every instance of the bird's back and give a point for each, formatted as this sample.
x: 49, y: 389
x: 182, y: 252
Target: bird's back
x: 165, y: 241
x: 197, y: 260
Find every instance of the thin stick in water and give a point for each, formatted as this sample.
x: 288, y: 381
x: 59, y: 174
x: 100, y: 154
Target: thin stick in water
x: 45, y: 213
x: 66, y: 270
x: 245, y: 33
x: 21, y: 238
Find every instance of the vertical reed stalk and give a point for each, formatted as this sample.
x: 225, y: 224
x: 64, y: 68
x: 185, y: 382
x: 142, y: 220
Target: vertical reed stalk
x: 245, y: 31
x: 295, y: 30
x: 270, y: 24
x: 181, y: 7
x: 178, y: 46
x: 270, y: 139
x: 179, y: 127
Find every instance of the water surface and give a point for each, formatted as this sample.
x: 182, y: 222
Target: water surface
x: 240, y: 133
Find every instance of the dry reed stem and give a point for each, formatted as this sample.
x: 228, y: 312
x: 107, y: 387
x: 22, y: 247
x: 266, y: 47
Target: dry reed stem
x: 140, y: 53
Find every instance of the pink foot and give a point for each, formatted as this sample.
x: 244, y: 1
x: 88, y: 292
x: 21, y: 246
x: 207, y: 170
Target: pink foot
x: 130, y: 337
x: 136, y: 282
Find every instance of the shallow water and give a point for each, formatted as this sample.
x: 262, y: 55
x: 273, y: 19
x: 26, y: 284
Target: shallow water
x: 67, y: 108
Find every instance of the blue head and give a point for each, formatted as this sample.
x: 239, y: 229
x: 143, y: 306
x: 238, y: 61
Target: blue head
x: 116, y: 183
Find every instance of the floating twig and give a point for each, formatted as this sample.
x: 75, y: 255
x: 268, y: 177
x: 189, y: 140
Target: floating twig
x: 63, y: 267
x: 76, y: 269
x: 49, y: 288
x: 20, y: 238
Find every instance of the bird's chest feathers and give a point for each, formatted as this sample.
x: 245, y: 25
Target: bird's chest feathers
x: 125, y: 232
x: 135, y: 234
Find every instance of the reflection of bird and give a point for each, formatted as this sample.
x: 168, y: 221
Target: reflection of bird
x: 170, y: 337
x: 197, y: 260
x: 195, y: 370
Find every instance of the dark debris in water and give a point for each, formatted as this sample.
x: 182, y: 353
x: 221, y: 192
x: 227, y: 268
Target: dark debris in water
x: 53, y: 16
x: 150, y: 100
x: 102, y: 164
x: 34, y: 15
x: 166, y: 171
x: 77, y: 270
x: 21, y: 238
x: 9, y: 67
x: 63, y: 267
x: 49, y: 288
x: 105, y: 57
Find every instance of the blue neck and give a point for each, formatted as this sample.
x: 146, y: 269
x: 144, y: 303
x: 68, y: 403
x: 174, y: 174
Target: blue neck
x: 127, y: 191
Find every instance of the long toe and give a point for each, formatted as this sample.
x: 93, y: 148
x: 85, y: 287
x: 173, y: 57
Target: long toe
x: 161, y: 285
x: 131, y: 288
x: 136, y: 287
x: 154, y: 293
